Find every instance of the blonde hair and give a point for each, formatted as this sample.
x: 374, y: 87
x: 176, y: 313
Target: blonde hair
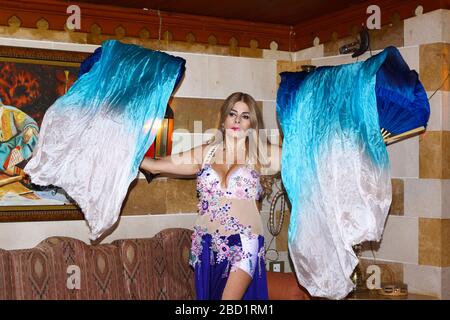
x: 256, y: 123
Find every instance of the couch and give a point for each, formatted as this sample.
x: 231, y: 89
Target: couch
x: 145, y: 269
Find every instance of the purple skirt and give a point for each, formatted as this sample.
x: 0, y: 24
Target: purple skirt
x: 211, y: 276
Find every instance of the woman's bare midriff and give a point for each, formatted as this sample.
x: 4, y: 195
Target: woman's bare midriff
x: 245, y: 211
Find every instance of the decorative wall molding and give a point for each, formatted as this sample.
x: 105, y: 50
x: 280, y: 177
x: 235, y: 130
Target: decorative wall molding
x: 42, y: 54
x: 100, y: 21
x: 123, y: 22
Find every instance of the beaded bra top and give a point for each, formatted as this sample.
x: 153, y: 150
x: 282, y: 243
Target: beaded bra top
x: 242, y: 182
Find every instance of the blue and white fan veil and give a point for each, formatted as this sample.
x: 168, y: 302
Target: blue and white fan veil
x: 335, y: 166
x: 93, y: 138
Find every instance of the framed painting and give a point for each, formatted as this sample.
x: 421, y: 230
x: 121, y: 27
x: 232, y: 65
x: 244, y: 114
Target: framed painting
x: 31, y: 80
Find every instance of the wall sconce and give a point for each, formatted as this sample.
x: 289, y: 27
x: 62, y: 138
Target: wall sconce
x: 162, y: 146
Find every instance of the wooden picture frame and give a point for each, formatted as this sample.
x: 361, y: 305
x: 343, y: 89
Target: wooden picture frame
x: 31, y: 80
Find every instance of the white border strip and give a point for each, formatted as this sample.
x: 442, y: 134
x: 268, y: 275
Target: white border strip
x: 52, y: 45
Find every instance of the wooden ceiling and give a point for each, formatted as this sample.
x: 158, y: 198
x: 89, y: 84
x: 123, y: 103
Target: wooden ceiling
x: 287, y: 12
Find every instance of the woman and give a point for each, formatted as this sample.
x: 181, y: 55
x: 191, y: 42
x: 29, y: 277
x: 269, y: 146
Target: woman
x: 227, y: 244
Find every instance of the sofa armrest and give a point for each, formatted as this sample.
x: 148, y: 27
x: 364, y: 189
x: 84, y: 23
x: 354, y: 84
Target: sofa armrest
x: 284, y: 286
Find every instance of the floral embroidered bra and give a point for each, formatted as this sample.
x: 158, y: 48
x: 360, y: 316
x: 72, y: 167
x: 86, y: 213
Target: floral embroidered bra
x: 216, y: 203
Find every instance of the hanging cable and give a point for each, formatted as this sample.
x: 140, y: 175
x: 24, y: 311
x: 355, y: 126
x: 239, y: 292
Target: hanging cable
x: 442, y: 84
x: 274, y: 250
x: 291, y: 34
x: 159, y: 29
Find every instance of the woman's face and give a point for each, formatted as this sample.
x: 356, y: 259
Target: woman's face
x: 237, y: 121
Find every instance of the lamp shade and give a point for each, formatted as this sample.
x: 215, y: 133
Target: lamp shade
x: 162, y: 146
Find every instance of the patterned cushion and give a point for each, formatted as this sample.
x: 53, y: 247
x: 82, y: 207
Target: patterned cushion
x: 157, y: 268
x: 65, y: 269
x: 44, y: 272
x: 33, y: 274
x: 6, y: 292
